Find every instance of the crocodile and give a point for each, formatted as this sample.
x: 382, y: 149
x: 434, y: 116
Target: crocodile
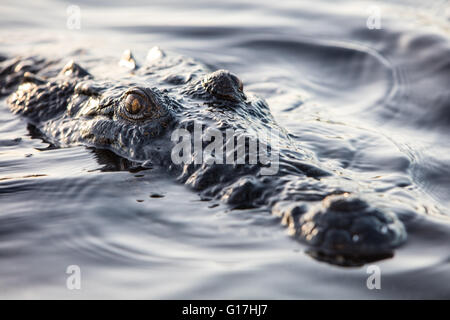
x: 135, y: 113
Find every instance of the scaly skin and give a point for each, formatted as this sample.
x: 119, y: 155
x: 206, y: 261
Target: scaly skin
x: 134, y: 117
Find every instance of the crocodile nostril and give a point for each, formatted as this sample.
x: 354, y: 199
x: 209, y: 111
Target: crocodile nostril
x: 225, y: 85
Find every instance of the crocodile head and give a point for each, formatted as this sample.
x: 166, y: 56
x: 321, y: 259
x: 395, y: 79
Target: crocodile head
x: 136, y: 114
x: 133, y: 116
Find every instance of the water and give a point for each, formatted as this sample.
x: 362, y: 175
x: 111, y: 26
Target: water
x: 372, y: 104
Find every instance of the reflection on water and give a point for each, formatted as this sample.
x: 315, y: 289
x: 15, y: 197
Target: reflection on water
x: 372, y: 104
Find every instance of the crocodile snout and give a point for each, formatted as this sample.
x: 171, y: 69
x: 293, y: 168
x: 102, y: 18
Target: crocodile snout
x: 344, y: 229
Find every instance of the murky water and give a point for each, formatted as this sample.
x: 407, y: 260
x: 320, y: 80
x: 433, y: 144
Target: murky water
x: 373, y: 104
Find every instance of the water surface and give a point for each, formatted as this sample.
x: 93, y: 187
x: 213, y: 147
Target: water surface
x: 373, y: 104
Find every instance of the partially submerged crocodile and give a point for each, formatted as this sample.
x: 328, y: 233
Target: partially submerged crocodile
x: 135, y: 115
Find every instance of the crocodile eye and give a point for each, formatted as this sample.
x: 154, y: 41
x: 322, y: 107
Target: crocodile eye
x: 135, y: 103
x: 141, y: 104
